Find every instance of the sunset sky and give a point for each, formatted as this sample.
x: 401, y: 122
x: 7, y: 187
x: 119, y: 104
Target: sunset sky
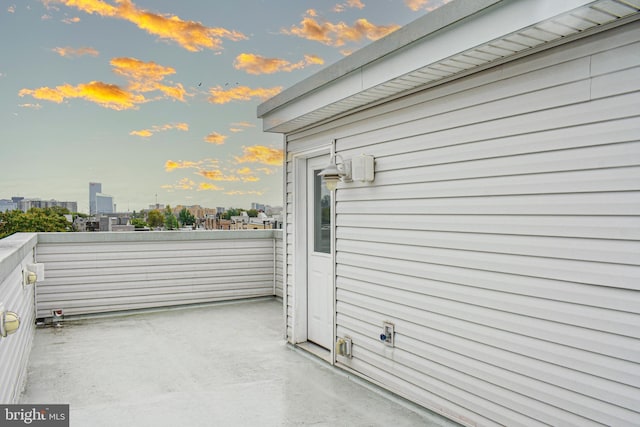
x: 159, y: 96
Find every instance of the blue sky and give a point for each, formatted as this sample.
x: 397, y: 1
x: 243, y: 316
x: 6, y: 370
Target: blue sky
x: 159, y: 96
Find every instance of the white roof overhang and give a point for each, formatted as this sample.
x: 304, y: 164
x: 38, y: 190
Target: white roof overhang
x: 457, y: 39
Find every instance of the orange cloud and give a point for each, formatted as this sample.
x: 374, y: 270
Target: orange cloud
x: 243, y: 124
x: 340, y: 33
x: 89, y: 6
x: 12, y: 8
x: 244, y: 193
x: 205, y: 186
x: 215, y: 138
x: 256, y: 64
x: 240, y: 126
x: 147, y: 77
x: 192, y: 36
x: 103, y: 94
x: 34, y: 106
x: 217, y: 175
x: 427, y: 5
x: 73, y: 20
x: 142, y: 77
x: 71, y: 52
x: 183, y: 184
x: 261, y: 154
x: 240, y: 93
x: 244, y: 171
x: 146, y: 133
x: 341, y: 7
x: 250, y: 179
x: 171, y: 165
x: 266, y: 171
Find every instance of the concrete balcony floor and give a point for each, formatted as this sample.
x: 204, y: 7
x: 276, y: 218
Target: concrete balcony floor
x: 217, y: 365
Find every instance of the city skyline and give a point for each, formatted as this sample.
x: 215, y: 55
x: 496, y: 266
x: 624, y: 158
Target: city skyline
x: 158, y: 97
x: 25, y: 203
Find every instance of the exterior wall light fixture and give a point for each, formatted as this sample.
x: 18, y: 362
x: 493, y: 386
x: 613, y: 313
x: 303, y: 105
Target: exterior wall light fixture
x: 336, y: 171
x: 9, y: 322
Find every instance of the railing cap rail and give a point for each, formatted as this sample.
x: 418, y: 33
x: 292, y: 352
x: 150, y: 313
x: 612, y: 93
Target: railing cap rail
x: 154, y: 236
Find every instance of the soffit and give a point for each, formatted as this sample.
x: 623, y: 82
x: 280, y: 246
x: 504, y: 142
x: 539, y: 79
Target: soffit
x: 531, y: 38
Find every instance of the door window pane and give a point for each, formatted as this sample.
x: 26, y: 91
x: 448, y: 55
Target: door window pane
x: 322, y: 216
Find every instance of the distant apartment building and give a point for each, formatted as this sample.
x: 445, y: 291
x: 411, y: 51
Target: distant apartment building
x: 24, y: 205
x: 196, y: 210
x: 258, y: 206
x: 273, y: 210
x: 7, y: 205
x: 110, y: 222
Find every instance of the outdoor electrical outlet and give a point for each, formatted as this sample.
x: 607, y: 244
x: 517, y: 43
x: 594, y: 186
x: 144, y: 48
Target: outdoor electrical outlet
x: 388, y: 334
x: 344, y: 347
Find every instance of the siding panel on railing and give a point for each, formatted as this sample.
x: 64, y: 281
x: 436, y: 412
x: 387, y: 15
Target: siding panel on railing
x: 100, y: 272
x: 16, y: 252
x: 279, y: 265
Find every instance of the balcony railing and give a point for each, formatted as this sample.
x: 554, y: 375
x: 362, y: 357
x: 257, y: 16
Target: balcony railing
x: 90, y: 273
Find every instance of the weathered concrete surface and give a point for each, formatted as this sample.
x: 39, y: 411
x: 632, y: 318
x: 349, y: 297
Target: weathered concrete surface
x: 220, y: 365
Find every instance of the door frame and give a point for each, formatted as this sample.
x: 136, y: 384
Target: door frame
x: 300, y: 250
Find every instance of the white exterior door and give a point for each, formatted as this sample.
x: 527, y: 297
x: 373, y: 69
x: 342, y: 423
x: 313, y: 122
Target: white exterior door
x: 319, y: 267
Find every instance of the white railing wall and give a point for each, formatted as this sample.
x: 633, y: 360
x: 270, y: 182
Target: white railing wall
x: 279, y: 259
x: 109, y: 272
x: 16, y: 252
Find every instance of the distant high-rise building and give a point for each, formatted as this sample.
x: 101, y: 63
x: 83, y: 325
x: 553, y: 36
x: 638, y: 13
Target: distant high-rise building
x: 94, y: 189
x: 104, y: 204
x: 99, y: 203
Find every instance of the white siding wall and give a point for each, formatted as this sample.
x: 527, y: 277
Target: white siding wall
x: 16, y: 252
x: 501, y: 236
x: 103, y: 272
x: 279, y: 254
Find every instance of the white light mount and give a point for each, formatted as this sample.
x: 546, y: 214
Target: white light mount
x: 362, y: 168
x: 33, y: 273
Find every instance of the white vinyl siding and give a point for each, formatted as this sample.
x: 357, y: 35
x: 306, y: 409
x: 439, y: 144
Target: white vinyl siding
x: 279, y: 260
x: 100, y: 272
x: 16, y: 251
x: 501, y: 236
